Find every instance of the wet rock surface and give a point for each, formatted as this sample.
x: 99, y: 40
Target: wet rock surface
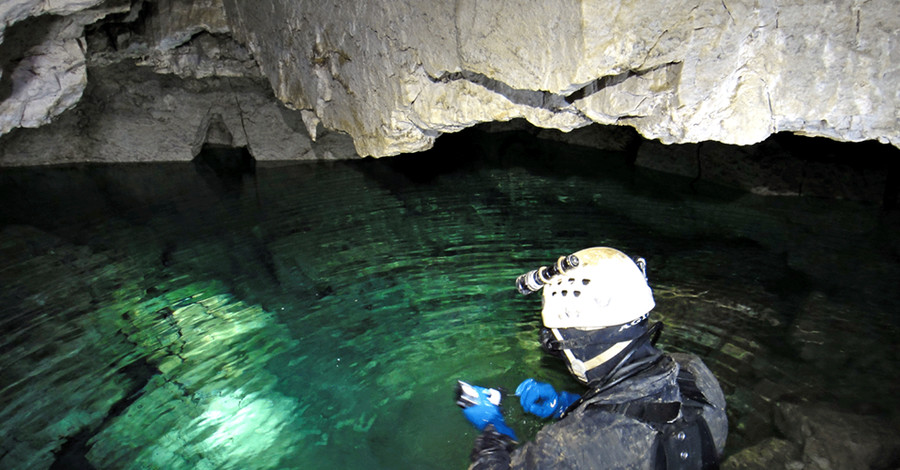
x: 832, y: 439
x: 814, y: 436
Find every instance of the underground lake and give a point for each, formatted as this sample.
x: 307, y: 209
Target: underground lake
x: 318, y: 315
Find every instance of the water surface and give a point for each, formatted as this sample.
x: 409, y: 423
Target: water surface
x: 318, y: 315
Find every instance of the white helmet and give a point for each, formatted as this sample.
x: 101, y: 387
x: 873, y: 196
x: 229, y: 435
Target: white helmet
x: 601, y: 287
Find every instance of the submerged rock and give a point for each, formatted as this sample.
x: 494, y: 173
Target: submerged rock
x: 832, y: 439
x: 819, y: 437
x: 768, y: 454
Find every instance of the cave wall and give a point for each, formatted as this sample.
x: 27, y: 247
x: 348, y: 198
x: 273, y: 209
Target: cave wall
x: 395, y: 74
x: 43, y: 68
x: 389, y: 77
x: 153, y: 81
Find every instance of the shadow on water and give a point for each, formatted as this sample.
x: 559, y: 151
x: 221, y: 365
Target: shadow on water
x: 226, y: 314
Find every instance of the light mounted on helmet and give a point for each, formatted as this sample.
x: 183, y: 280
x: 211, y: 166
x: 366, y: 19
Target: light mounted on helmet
x: 592, y: 288
x: 642, y: 265
x: 534, y: 280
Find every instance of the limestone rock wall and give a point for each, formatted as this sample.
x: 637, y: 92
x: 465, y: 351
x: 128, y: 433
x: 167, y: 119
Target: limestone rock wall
x: 165, y: 79
x: 43, y: 68
x: 131, y: 114
x: 396, y: 74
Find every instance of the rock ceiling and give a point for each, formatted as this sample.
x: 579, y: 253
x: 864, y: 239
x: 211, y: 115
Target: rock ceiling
x: 394, y: 75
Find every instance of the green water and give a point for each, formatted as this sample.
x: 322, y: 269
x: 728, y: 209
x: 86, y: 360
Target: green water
x: 318, y: 315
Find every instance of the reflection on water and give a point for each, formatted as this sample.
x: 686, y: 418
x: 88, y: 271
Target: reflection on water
x: 318, y: 315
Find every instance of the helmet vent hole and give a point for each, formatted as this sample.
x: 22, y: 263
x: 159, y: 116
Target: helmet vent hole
x: 576, y: 293
x: 571, y: 280
x: 565, y: 293
x: 585, y: 282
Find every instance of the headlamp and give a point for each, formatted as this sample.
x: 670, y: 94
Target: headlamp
x: 534, y: 280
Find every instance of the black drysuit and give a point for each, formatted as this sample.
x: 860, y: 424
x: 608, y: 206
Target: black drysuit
x: 670, y: 414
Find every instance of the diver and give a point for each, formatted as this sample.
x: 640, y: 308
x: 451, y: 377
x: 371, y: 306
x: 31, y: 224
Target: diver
x: 642, y: 408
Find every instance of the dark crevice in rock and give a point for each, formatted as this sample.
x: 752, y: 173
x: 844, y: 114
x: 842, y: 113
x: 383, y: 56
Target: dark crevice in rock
x: 226, y: 161
x: 553, y: 101
x: 535, y: 99
x: 118, y: 31
x: 140, y: 372
x: 597, y: 85
x: 699, y: 176
x: 225, y: 168
x: 613, y: 80
x: 72, y: 455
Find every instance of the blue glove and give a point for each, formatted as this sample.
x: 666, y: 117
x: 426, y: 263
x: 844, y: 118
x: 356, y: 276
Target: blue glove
x: 482, y: 415
x: 541, y: 399
x: 481, y: 406
x: 566, y: 399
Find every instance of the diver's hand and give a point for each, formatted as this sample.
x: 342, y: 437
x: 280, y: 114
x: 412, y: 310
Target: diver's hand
x: 540, y: 399
x: 481, y: 406
x: 537, y: 398
x: 483, y: 415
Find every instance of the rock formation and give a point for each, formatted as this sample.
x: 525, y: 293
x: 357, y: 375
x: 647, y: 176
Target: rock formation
x: 395, y: 75
x: 161, y: 72
x: 43, y: 60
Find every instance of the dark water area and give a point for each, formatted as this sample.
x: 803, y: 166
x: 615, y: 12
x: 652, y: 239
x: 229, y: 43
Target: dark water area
x: 317, y: 315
